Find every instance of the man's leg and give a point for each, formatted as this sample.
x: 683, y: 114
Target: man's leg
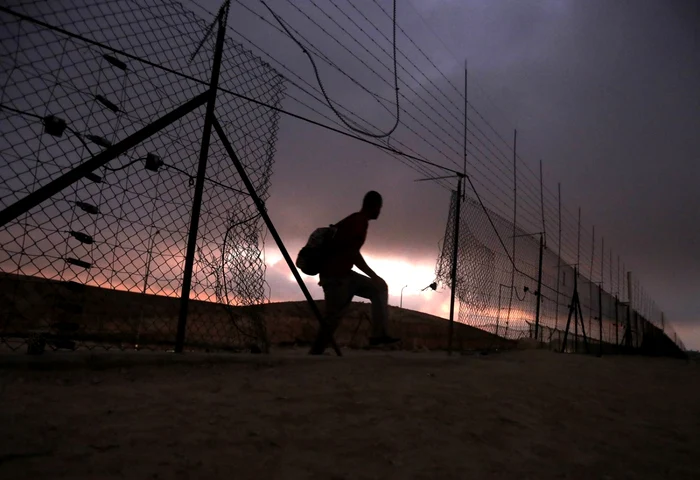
x: 338, y: 295
x: 365, y: 287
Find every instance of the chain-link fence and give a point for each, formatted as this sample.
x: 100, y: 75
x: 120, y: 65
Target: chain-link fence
x: 511, y: 284
x: 111, y: 257
x: 102, y: 261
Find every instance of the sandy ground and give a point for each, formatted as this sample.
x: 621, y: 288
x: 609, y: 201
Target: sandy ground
x: 516, y: 415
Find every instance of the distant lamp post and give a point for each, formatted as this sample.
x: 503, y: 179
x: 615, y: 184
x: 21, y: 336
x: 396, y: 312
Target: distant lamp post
x: 401, y: 303
x: 432, y: 286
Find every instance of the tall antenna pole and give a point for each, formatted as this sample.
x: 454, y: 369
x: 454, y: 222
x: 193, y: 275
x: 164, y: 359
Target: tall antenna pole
x: 556, y: 314
x: 515, y: 186
x: 544, y: 228
x: 578, y: 243
x: 515, y: 210
x: 465, y: 119
x: 602, y: 261
x: 515, y: 191
x: 455, y: 246
x: 455, y: 256
x: 610, y: 272
x: 590, y: 272
x: 590, y: 284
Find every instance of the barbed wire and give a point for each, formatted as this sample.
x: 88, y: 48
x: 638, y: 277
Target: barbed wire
x: 354, y: 128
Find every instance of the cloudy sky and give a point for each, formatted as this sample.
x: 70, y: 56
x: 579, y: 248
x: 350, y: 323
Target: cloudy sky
x: 604, y: 93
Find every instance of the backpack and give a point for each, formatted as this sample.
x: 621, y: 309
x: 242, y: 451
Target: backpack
x: 313, y: 255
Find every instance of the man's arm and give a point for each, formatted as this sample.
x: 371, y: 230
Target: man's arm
x: 362, y: 265
x: 364, y: 268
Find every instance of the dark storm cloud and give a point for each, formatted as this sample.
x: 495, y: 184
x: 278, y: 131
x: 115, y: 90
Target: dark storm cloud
x: 604, y: 92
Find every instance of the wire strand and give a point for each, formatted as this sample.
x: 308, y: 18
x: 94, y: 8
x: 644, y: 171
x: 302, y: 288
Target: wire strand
x: 354, y: 128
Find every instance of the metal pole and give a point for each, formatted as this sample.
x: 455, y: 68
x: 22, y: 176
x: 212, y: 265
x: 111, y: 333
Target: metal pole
x: 578, y: 265
x: 600, y: 320
x: 401, y: 303
x: 663, y: 322
x: 515, y: 205
x: 610, y: 270
x: 590, y: 286
x: 538, y: 297
x: 583, y: 328
x: 465, y: 118
x: 568, y: 321
x: 515, y: 188
x: 576, y: 311
x: 556, y: 312
x: 602, y: 261
x: 617, y: 321
x: 455, y: 252
x: 628, y: 337
x: 578, y: 242
x: 629, y: 289
x: 544, y: 228
x: 271, y: 227
x: 199, y: 183
x: 618, y: 288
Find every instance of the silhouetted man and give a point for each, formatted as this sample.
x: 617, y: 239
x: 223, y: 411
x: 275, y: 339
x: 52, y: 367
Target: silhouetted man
x: 340, y: 283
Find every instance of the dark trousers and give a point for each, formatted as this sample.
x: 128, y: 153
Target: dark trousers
x: 338, y: 293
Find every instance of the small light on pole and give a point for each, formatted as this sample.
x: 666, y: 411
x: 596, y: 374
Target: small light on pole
x: 401, y: 302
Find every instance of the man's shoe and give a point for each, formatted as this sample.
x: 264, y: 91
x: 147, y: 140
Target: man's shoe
x: 383, y: 340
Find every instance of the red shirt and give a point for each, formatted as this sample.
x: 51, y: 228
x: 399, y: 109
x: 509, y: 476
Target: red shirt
x: 349, y: 238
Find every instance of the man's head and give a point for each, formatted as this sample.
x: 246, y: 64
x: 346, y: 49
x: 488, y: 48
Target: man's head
x: 372, y: 204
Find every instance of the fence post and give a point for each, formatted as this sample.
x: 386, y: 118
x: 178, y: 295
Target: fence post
x: 576, y: 323
x: 556, y: 311
x: 199, y: 183
x: 538, y: 296
x: 326, y: 332
x: 630, y: 291
x: 590, y: 287
x: 617, y: 324
x: 663, y: 322
x: 455, y: 251
x: 600, y: 320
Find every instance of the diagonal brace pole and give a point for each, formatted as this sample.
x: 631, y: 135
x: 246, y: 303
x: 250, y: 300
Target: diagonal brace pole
x: 67, y: 179
x: 270, y: 226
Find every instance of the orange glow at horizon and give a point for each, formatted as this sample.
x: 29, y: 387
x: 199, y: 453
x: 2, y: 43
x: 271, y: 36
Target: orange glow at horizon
x: 399, y: 272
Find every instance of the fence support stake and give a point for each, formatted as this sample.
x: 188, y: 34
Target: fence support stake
x: 600, y: 320
x: 538, y: 297
x: 271, y: 227
x: 199, y: 183
x: 455, y: 251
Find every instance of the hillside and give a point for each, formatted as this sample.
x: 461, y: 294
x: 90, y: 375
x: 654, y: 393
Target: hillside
x: 96, y: 315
